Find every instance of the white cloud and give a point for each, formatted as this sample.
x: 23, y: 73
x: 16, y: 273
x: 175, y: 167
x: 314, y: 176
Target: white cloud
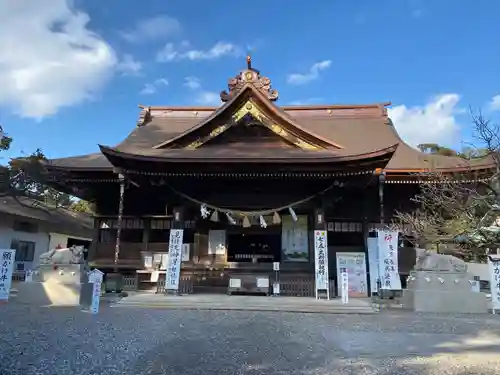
x: 129, y: 66
x: 433, y: 123
x: 308, y: 101
x: 208, y: 98
x: 154, y: 28
x: 171, y: 53
x: 202, y: 96
x: 311, y: 75
x: 49, y: 58
x: 151, y: 88
x: 495, y: 103
x: 192, y: 82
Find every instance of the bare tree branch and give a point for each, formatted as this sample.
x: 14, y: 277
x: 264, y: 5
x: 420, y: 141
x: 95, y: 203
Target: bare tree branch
x: 451, y: 209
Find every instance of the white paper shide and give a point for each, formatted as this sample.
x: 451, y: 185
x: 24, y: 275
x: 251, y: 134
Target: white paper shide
x: 388, y: 259
x: 321, y: 259
x: 7, y: 258
x: 173, y: 271
x: 494, y: 268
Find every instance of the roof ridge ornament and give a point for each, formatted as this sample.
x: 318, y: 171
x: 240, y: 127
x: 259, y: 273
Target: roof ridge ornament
x: 249, y: 76
x: 144, y: 116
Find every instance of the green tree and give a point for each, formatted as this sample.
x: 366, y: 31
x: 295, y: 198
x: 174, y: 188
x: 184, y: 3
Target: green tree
x: 434, y: 148
x: 25, y: 176
x: 5, y: 140
x: 82, y: 206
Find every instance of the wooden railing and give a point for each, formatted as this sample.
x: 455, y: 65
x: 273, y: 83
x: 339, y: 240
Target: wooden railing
x: 185, y: 284
x: 157, y: 247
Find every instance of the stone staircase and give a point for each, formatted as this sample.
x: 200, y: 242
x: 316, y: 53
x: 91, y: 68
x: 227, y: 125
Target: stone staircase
x: 245, y: 303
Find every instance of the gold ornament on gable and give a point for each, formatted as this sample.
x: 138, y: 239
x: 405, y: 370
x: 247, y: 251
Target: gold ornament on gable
x: 249, y: 76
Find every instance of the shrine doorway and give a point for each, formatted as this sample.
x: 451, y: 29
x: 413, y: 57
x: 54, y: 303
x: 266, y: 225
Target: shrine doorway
x: 254, y: 245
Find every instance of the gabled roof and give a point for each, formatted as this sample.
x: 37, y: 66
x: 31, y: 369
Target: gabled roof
x: 66, y: 221
x: 359, y: 129
x: 249, y: 100
x: 356, y: 129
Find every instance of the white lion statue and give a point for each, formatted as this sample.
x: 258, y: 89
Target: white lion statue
x: 70, y: 255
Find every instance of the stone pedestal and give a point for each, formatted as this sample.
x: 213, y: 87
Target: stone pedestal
x: 68, y: 274
x: 53, y: 285
x: 442, y: 292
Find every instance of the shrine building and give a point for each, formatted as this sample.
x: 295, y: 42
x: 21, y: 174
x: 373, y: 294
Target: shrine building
x: 248, y: 182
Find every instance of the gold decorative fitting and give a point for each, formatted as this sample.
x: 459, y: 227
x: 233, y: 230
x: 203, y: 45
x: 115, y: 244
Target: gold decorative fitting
x: 250, y: 108
x: 144, y: 117
x: 194, y: 144
x: 249, y: 76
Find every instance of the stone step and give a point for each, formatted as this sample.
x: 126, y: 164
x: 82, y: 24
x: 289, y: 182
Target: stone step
x: 207, y: 305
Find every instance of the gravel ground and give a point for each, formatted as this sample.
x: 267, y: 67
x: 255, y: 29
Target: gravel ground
x: 147, y: 341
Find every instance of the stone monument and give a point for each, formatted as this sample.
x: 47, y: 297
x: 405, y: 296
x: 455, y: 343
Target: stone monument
x: 57, y: 280
x: 440, y: 283
x: 64, y: 266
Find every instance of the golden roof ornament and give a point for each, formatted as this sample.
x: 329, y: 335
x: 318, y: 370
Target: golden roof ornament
x: 249, y: 76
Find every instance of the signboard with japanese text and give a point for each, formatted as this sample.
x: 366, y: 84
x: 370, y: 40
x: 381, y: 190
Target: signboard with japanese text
x: 295, y: 238
x: 354, y: 265
x: 95, y: 278
x: 28, y: 276
x: 173, y: 271
x: 96, y: 297
x: 7, y: 258
x: 494, y: 268
x: 344, y: 286
x: 373, y: 266
x: 388, y: 259
x: 321, y: 259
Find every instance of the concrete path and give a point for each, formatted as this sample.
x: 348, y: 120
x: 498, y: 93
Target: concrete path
x: 246, y: 303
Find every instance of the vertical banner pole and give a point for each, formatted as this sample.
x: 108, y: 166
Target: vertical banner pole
x: 321, y: 262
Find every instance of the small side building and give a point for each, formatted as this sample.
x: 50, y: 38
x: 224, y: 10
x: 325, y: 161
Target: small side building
x: 33, y: 228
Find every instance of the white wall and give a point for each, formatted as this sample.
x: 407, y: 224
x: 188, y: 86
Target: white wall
x: 479, y: 269
x: 62, y: 240
x: 41, y: 240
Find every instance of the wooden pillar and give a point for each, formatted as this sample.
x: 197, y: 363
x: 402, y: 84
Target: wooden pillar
x: 92, y: 251
x: 146, y: 227
x: 120, y: 218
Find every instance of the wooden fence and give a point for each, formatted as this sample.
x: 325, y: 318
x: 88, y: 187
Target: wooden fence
x: 185, y: 285
x: 290, y: 287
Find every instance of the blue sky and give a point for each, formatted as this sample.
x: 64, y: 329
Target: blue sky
x: 73, y: 72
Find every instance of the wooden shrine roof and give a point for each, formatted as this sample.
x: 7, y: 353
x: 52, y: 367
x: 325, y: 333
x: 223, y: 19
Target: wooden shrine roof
x: 212, y: 154
x: 338, y: 131
x: 359, y: 129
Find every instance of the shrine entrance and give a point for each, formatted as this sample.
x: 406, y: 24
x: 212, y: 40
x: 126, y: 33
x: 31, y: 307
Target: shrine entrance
x: 255, y: 245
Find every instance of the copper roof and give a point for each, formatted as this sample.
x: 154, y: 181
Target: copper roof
x: 213, y: 154
x: 354, y: 129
